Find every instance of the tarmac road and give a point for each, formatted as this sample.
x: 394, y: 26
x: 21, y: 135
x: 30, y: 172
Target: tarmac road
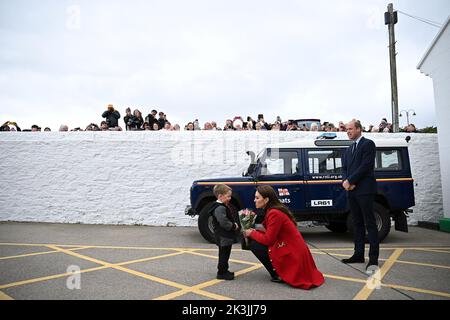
x: 37, y: 261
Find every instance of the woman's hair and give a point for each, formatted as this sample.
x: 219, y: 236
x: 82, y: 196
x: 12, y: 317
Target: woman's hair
x: 274, y: 202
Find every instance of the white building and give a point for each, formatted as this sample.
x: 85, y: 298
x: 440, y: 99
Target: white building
x: 436, y: 64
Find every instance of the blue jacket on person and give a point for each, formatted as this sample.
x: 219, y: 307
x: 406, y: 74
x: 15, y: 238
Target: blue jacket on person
x: 358, y: 167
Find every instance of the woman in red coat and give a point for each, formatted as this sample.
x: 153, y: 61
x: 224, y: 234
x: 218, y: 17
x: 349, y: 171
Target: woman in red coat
x: 281, y: 248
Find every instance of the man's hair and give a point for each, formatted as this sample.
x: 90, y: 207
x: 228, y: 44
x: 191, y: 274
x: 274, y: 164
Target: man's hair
x: 221, y: 189
x: 357, y: 124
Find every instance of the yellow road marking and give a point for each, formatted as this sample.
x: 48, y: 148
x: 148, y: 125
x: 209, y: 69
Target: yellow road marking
x: 418, y: 290
x: 392, y: 286
x: 56, y: 276
x: 130, y: 271
x: 398, y: 261
x: 36, y: 244
x: 382, y: 249
x: 184, y: 289
x: 437, y: 293
x: 62, y: 275
x: 215, y: 257
x: 197, y: 288
x: 182, y: 292
x: 366, y: 291
x: 432, y: 250
x: 4, y: 296
x: 100, y: 246
x: 331, y: 276
x: 37, y: 254
x: 119, y: 267
x: 149, y: 258
x: 423, y: 264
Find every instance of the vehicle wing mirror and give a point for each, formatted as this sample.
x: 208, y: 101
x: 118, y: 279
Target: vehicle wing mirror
x: 252, y: 157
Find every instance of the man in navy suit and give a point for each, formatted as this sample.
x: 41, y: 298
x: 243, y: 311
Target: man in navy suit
x: 359, y: 181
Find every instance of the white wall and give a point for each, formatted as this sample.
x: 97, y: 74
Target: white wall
x: 144, y: 177
x: 437, y: 66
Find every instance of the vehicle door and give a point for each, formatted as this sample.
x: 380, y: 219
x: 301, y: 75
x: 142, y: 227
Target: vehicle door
x: 393, y: 174
x: 280, y: 169
x: 323, y: 175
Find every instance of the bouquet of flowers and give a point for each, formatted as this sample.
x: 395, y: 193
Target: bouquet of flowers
x: 247, y: 218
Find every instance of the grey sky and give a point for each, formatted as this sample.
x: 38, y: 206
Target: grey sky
x: 64, y: 61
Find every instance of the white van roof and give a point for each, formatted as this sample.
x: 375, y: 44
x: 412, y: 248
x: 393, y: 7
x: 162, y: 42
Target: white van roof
x: 390, y: 143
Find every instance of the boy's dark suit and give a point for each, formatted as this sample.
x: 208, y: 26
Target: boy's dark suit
x: 358, y: 169
x: 225, y: 232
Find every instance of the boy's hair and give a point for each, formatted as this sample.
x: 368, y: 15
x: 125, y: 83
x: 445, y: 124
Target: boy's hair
x: 221, y: 189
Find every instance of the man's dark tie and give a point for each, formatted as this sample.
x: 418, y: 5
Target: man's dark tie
x: 353, y: 147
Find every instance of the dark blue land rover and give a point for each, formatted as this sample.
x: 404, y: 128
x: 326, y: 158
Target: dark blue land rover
x: 308, y: 179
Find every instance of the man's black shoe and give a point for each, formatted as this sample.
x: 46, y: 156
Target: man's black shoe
x: 372, y: 263
x: 354, y: 259
x: 225, y: 276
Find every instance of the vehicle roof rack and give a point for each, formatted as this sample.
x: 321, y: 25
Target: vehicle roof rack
x: 333, y: 143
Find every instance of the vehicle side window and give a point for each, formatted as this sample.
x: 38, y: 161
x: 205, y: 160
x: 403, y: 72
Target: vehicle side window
x: 388, y: 160
x: 324, y: 161
x: 280, y: 162
x: 294, y: 163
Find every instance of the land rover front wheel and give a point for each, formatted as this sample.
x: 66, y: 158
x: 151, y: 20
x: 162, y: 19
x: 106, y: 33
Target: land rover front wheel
x: 205, y: 225
x: 382, y: 220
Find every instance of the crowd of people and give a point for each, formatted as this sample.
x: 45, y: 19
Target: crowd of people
x: 155, y: 121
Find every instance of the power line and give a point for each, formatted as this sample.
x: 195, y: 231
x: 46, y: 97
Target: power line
x: 420, y: 18
x: 427, y: 21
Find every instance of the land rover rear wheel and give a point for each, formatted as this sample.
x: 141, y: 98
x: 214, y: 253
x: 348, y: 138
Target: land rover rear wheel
x: 382, y: 219
x: 205, y: 225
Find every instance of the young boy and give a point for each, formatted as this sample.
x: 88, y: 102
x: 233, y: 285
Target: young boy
x: 225, y: 229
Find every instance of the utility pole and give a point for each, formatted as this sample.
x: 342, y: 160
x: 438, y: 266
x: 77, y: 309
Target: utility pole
x: 390, y: 18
